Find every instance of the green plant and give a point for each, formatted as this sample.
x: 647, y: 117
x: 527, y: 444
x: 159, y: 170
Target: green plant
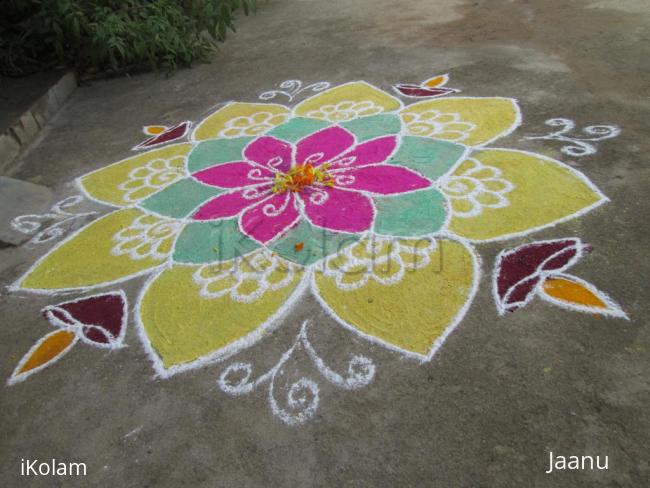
x: 112, y: 35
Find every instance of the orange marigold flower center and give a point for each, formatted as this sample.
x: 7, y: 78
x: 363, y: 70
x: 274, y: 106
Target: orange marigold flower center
x: 300, y: 177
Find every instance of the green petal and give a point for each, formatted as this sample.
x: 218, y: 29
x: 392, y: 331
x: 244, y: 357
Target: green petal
x: 216, y: 151
x: 374, y: 126
x: 411, y: 214
x: 316, y: 243
x: 297, y: 128
x: 428, y: 157
x: 206, y: 242
x: 180, y: 199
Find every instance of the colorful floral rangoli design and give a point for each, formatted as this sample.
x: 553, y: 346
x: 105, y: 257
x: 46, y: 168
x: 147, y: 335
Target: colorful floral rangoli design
x: 371, y: 205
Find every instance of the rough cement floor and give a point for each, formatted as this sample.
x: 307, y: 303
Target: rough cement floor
x: 501, y: 393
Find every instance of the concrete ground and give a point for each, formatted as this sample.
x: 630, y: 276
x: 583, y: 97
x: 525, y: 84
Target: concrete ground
x: 500, y: 394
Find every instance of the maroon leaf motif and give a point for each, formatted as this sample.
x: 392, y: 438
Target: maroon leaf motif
x: 519, y: 271
x: 418, y: 91
x: 169, y: 135
x: 98, y: 320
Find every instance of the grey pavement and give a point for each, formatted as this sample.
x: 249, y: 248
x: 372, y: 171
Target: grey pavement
x: 500, y: 394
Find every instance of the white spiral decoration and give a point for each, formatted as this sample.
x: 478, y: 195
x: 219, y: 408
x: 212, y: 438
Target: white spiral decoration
x: 292, y: 88
x: 302, y: 396
x: 578, y: 146
x: 33, y: 223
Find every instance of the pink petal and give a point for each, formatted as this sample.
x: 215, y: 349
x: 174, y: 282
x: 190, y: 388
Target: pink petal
x: 338, y: 210
x: 383, y: 179
x: 230, y: 204
x: 270, y: 218
x: 322, y: 146
x: 369, y: 152
x: 234, y: 175
x: 270, y: 152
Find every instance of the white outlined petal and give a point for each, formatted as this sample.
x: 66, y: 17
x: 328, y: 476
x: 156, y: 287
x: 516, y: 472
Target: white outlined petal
x: 573, y: 293
x: 414, y: 314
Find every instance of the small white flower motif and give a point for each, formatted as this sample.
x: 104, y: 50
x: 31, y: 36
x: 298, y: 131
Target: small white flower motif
x: 246, y: 278
x: 252, y: 125
x: 147, y: 237
x: 346, y: 110
x: 474, y: 186
x: 155, y: 175
x: 433, y: 123
x: 381, y: 259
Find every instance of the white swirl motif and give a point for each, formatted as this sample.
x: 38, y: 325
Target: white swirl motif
x: 270, y: 210
x: 256, y: 174
x: 292, y: 88
x: 343, y: 179
x: 578, y: 146
x: 255, y: 192
x: 33, y: 223
x: 314, y: 158
x: 303, y: 396
x: 318, y: 196
x: 275, y: 162
x: 342, y: 162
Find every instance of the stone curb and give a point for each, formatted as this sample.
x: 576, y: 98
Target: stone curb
x: 17, y: 137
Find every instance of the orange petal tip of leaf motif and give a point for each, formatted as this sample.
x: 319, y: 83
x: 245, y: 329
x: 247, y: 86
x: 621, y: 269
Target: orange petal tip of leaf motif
x: 46, y: 351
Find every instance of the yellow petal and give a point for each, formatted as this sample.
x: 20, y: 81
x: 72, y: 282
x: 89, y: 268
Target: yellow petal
x: 186, y: 327
x: 348, y: 101
x: 483, y: 119
x: 45, y: 352
x: 125, y: 182
x: 415, y: 314
x: 89, y: 257
x: 241, y: 119
x: 545, y: 192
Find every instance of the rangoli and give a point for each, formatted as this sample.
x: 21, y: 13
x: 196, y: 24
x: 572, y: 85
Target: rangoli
x: 372, y: 204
